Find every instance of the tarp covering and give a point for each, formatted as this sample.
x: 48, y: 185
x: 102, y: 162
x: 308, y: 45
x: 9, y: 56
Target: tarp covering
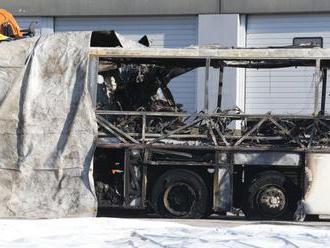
x: 47, y: 128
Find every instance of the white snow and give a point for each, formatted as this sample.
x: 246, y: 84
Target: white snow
x: 112, y: 232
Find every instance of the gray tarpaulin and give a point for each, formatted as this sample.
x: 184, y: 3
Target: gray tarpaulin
x: 47, y: 128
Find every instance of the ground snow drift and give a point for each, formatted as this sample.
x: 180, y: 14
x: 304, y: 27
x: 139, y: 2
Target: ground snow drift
x: 112, y: 232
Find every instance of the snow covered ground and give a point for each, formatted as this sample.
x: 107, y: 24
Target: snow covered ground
x: 112, y: 232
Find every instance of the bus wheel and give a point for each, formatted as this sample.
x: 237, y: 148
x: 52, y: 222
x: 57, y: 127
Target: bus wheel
x: 180, y: 194
x: 271, y: 196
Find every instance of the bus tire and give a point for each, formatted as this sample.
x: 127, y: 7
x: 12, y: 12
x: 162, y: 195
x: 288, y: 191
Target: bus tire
x: 180, y: 193
x: 271, y: 196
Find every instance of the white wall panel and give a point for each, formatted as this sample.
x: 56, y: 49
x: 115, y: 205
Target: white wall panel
x: 283, y: 90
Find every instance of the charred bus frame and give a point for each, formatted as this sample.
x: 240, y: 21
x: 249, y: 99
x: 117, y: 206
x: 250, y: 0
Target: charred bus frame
x: 226, y: 155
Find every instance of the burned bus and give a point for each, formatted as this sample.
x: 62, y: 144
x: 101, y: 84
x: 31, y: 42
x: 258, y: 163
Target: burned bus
x: 153, y: 155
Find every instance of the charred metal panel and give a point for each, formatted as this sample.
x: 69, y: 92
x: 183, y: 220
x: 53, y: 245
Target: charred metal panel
x: 317, y: 199
x: 268, y: 158
x: 224, y: 189
x: 110, y: 8
x: 223, y: 183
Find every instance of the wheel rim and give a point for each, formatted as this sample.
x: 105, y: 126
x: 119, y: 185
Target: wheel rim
x: 179, y: 199
x: 271, y: 201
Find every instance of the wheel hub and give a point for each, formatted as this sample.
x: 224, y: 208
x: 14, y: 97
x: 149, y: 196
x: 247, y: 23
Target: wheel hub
x: 179, y: 199
x: 272, y: 201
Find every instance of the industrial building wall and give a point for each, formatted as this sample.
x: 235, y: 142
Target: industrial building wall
x: 273, y: 6
x: 110, y: 8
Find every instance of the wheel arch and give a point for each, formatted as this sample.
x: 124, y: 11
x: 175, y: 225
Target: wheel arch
x: 155, y: 172
x: 188, y: 176
x: 250, y: 173
x: 270, y: 180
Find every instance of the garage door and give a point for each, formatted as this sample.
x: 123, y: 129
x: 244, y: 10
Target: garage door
x: 284, y: 91
x: 167, y: 32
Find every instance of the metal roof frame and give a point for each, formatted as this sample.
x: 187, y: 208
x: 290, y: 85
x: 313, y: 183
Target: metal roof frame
x: 216, y: 54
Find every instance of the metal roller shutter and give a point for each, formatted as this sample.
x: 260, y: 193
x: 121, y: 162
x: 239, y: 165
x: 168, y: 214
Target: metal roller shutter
x: 284, y: 91
x: 163, y: 31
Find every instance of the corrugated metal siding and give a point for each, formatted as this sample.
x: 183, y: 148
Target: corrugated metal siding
x: 283, y: 90
x: 163, y: 31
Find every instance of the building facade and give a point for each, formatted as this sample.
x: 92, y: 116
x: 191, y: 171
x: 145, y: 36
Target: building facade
x: 231, y: 23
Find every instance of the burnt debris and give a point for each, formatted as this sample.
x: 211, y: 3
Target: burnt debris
x: 130, y: 86
x: 135, y: 105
